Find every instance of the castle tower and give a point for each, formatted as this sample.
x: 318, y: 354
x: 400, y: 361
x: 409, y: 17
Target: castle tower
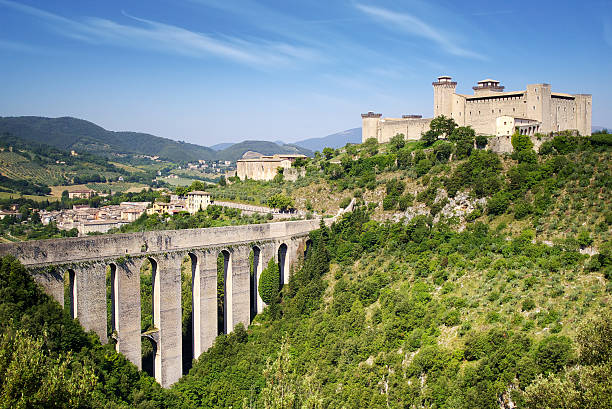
x: 444, y: 89
x: 583, y: 113
x: 369, y: 126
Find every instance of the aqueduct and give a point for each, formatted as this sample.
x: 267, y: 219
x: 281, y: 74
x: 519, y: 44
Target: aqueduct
x: 84, y: 262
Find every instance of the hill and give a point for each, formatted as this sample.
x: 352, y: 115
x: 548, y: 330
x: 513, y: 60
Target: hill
x: 29, y: 167
x: 335, y: 141
x: 83, y: 136
x: 221, y: 146
x: 461, y: 279
x: 236, y: 151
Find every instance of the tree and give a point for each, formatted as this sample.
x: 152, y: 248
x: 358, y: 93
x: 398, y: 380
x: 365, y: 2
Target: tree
x: 397, y: 142
x: 462, y: 133
x: 222, y: 181
x: 429, y: 137
x: 269, y: 282
x: 281, y: 202
x: 521, y: 142
x: 442, y: 126
x: 328, y: 153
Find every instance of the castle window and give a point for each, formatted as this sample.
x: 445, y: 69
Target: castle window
x: 478, y: 112
x: 534, y: 107
x: 492, y: 111
x: 513, y: 109
x: 500, y: 111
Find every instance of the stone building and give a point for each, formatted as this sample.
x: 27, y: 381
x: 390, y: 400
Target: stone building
x: 81, y: 194
x: 491, y: 111
x: 197, y: 200
x: 264, y: 167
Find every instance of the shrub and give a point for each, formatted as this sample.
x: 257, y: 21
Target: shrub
x: 528, y: 305
x: 345, y: 202
x: 553, y: 353
x: 269, y: 282
x: 498, y: 203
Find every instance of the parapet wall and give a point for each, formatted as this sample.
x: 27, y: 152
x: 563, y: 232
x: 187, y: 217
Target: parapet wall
x: 57, y: 251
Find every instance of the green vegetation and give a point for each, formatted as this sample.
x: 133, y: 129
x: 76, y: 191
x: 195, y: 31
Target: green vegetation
x: 508, y: 303
x: 213, y: 216
x: 269, y: 282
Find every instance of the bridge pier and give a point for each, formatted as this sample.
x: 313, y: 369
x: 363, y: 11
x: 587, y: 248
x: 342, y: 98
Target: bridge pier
x: 127, y: 307
x: 208, y: 302
x: 85, y: 260
x: 90, y: 294
x: 239, y: 295
x: 167, y: 303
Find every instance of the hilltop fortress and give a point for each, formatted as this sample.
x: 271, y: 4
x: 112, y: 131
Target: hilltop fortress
x: 491, y: 111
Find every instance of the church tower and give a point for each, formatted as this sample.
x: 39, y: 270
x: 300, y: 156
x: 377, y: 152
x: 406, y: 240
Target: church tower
x: 444, y: 89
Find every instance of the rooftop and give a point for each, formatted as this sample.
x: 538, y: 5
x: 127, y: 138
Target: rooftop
x: 198, y: 193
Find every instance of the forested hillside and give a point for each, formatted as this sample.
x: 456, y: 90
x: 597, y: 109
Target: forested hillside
x: 71, y: 133
x: 462, y: 279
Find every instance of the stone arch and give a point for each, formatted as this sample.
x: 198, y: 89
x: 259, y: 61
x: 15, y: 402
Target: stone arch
x: 307, y: 247
x: 255, y: 301
x: 70, y: 292
x: 225, y: 310
x: 192, y: 334
x: 283, y: 263
x: 156, y: 314
x: 113, y: 298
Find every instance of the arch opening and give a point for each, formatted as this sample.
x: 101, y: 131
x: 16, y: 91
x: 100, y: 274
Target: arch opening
x: 190, y: 310
x: 224, y: 292
x: 70, y: 293
x: 150, y: 295
x: 112, y: 301
x: 255, y: 269
x: 283, y: 265
x: 307, y: 247
x: 148, y: 363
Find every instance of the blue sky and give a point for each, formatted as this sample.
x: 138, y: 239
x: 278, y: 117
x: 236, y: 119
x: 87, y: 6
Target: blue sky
x: 209, y: 71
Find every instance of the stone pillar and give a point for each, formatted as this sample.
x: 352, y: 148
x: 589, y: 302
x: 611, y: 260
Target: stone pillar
x: 170, y: 325
x: 52, y: 283
x: 128, y: 311
x: 240, y: 287
x: 207, y: 263
x: 90, y: 284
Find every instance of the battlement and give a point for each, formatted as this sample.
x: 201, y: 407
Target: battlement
x: 444, y: 80
x: 412, y: 116
x: 371, y: 115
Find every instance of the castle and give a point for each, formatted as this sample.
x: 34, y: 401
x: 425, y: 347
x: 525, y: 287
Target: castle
x: 490, y: 111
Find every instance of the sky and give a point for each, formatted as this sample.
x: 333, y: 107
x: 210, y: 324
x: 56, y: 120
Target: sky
x: 211, y: 71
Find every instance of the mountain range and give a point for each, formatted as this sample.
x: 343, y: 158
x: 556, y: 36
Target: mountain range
x: 69, y: 133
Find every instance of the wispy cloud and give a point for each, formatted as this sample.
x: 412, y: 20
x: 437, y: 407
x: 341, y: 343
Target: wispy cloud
x: 152, y: 35
x: 20, y: 47
x: 417, y: 27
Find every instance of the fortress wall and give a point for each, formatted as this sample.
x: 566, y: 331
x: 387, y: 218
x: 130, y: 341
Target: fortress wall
x: 257, y: 169
x: 411, y: 128
x: 583, y: 113
x: 75, y: 249
x: 562, y: 114
x: 482, y: 114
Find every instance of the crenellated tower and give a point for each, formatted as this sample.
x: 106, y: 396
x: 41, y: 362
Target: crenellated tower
x: 444, y: 89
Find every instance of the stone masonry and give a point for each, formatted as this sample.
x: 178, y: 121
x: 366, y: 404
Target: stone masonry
x: 85, y: 261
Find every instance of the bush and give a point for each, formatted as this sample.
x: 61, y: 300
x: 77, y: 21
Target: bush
x: 528, y: 305
x: 553, y: 353
x: 498, y: 203
x: 269, y: 282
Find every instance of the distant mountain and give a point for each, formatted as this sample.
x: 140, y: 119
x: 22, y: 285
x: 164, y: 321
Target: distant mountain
x: 236, y: 151
x: 221, y: 146
x: 84, y: 136
x: 335, y: 141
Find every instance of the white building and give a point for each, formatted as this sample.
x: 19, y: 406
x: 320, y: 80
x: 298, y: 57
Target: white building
x: 197, y: 200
